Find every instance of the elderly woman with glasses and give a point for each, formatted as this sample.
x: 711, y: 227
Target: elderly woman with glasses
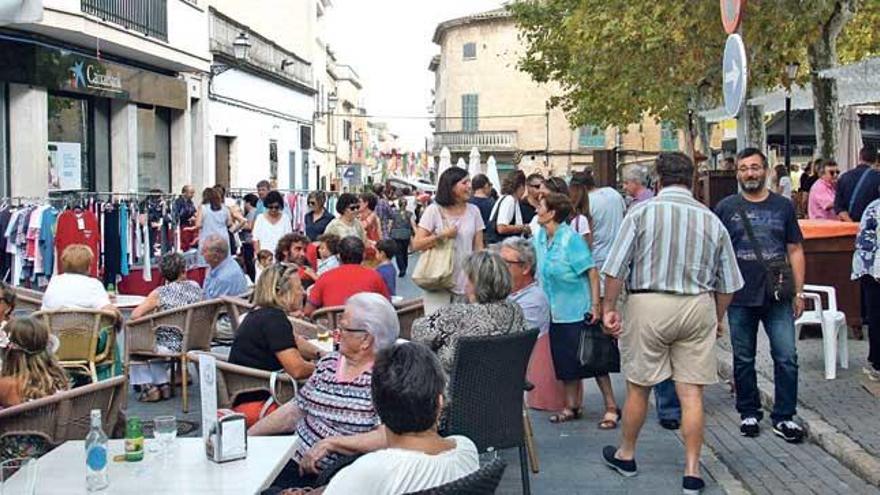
x: 271, y: 225
x: 333, y: 413
x: 318, y: 218
x: 487, y: 312
x: 347, y: 224
x: 265, y: 338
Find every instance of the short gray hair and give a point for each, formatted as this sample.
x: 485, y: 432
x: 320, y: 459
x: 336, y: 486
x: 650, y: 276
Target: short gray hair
x: 636, y: 174
x: 524, y: 249
x: 488, y: 273
x: 217, y: 244
x: 372, y: 312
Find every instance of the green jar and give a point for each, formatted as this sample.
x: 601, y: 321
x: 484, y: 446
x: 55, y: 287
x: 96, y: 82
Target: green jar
x: 134, y: 440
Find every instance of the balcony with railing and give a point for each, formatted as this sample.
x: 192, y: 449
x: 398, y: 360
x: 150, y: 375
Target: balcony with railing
x: 485, y: 141
x: 149, y: 17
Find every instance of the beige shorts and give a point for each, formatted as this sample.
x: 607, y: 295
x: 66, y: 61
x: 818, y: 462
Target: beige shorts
x: 667, y: 335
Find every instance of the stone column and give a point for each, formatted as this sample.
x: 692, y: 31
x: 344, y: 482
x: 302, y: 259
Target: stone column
x: 28, y: 140
x: 124, y: 146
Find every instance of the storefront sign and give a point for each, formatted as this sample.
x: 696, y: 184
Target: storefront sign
x: 65, y: 166
x: 62, y: 70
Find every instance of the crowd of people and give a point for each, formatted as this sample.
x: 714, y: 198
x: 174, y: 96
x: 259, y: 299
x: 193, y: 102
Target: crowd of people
x: 647, y: 281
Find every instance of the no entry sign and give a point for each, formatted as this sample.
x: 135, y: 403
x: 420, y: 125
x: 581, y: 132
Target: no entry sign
x: 731, y: 14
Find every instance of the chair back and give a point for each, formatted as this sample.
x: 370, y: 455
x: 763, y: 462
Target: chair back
x: 78, y: 332
x: 328, y: 316
x: 407, y: 315
x: 27, y: 301
x: 194, y: 321
x: 305, y: 329
x: 234, y: 381
x: 486, y: 389
x: 66, y: 415
x: 483, y: 481
x: 200, y: 320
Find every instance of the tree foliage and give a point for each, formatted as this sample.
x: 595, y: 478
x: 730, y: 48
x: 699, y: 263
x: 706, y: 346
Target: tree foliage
x: 617, y: 60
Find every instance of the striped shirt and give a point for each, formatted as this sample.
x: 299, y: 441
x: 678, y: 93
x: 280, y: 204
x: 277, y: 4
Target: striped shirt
x: 676, y: 245
x: 332, y: 407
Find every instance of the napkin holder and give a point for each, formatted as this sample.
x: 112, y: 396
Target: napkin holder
x: 227, y: 439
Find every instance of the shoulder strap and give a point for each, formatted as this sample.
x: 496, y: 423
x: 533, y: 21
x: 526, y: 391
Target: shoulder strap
x: 858, y: 189
x: 497, y: 208
x: 756, y: 246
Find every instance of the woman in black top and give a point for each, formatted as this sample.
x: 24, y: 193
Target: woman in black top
x: 265, y: 338
x: 317, y: 218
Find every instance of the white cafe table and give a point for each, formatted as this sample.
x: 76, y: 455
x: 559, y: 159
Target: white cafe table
x: 185, y: 471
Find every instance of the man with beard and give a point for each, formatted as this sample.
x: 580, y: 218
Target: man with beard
x: 764, y: 230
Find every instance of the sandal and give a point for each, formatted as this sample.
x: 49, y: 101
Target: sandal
x: 165, y: 391
x: 607, y: 423
x: 566, y: 415
x: 149, y: 393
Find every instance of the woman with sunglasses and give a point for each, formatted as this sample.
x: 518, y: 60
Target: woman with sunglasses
x: 347, y: 224
x: 318, y: 218
x: 272, y: 224
x: 820, y: 204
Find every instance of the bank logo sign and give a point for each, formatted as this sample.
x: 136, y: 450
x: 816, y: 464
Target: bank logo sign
x: 92, y: 76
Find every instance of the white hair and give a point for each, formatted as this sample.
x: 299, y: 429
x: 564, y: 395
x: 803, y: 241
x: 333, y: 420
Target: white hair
x: 372, y: 312
x: 636, y: 174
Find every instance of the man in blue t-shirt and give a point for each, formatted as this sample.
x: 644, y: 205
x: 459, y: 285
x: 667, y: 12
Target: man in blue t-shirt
x: 775, y: 227
x: 857, y: 188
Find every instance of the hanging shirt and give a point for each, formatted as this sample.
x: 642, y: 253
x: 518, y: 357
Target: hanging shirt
x: 123, y: 239
x: 47, y: 240
x: 79, y: 228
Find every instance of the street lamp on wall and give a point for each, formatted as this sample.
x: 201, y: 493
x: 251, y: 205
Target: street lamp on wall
x: 241, y: 46
x: 791, y: 72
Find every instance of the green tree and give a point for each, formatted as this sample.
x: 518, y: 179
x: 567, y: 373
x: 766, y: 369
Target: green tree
x: 617, y: 60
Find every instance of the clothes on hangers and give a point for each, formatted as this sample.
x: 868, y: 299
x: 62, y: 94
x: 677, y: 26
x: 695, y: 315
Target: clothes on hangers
x: 79, y: 227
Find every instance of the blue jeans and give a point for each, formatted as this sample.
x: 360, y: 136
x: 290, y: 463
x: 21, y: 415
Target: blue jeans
x: 668, y: 406
x: 778, y: 321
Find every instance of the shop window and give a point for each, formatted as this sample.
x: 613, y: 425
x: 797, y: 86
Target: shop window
x: 68, y: 151
x: 154, y: 148
x: 346, y: 130
x: 469, y: 51
x: 4, y: 166
x: 591, y: 136
x: 668, y: 137
x: 470, y: 111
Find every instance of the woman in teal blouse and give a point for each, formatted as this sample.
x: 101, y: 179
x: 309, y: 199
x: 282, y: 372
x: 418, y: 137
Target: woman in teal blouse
x: 570, y: 279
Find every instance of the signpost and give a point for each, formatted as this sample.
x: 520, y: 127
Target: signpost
x: 735, y: 71
x: 731, y: 14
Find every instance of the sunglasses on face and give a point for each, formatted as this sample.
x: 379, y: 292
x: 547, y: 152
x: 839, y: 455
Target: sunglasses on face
x: 273, y: 207
x: 832, y: 173
x: 536, y: 186
x: 354, y: 208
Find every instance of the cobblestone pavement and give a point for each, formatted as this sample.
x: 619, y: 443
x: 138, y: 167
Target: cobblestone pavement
x: 769, y: 465
x: 842, y: 402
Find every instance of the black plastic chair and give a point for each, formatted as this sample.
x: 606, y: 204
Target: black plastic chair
x: 486, y: 393
x: 484, y: 481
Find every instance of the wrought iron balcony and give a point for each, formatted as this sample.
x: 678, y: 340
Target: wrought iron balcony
x: 485, y: 141
x: 149, y: 17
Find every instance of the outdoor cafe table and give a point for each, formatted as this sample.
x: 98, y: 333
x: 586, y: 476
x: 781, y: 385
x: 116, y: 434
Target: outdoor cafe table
x: 185, y: 470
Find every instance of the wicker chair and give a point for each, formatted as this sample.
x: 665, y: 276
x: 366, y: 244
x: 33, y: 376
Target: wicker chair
x: 27, y: 301
x: 483, y: 481
x: 407, y: 315
x: 66, y: 415
x: 78, y: 332
x: 234, y: 380
x: 328, y: 316
x: 486, y: 393
x: 305, y: 329
x: 194, y: 321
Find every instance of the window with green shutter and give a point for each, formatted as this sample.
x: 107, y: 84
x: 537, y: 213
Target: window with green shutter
x: 668, y: 137
x: 591, y: 136
x: 470, y: 111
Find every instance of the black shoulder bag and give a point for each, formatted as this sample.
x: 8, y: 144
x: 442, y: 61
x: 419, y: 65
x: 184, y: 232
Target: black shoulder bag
x: 491, y: 235
x: 779, y: 285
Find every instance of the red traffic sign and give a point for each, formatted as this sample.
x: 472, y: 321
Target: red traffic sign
x: 732, y: 14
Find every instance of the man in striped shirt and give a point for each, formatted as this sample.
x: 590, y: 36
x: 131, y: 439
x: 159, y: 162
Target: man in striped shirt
x: 679, y: 267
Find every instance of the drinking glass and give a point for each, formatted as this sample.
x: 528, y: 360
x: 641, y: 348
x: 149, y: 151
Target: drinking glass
x: 18, y: 476
x: 165, y: 431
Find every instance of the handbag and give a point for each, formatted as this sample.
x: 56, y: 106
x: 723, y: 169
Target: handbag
x: 434, y: 270
x: 597, y: 352
x: 779, y: 285
x: 491, y: 234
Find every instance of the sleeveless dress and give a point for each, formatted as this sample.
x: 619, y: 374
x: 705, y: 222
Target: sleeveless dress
x: 214, y: 223
x: 175, y: 295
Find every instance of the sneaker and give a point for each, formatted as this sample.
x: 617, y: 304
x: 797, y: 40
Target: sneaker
x: 670, y: 424
x: 691, y: 485
x: 749, y: 427
x: 625, y: 468
x: 871, y: 373
x: 789, y: 431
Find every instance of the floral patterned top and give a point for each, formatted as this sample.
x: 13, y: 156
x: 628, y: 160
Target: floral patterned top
x: 175, y: 295
x: 441, y: 330
x: 866, y: 258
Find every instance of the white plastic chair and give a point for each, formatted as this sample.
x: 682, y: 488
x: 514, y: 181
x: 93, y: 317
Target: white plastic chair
x: 833, y: 324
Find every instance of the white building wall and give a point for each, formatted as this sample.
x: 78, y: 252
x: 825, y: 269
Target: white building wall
x: 253, y: 111
x: 28, y: 140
